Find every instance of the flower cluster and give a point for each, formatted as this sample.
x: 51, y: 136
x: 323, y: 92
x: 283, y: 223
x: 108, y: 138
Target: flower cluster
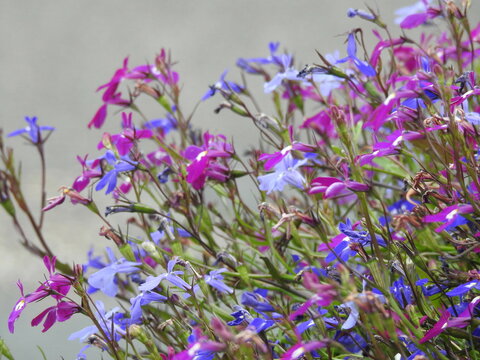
x: 365, y: 236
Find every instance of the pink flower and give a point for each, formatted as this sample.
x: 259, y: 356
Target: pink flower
x: 445, y: 322
x: 57, y: 286
x: 275, y: 158
x: 205, y: 160
x: 64, y: 310
x: 332, y: 187
x: 126, y: 140
x: 300, y: 349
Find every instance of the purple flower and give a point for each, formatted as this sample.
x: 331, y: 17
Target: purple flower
x: 240, y: 316
x: 363, y: 66
x: 172, y: 276
x: 285, y: 173
x: 215, y: 280
x: 142, y: 299
x: 32, y: 129
x: 104, y: 279
x: 450, y: 216
x: 109, y: 180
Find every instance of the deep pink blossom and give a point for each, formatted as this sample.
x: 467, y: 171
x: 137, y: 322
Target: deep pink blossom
x: 332, y: 187
x: 446, y: 321
x: 64, y: 310
x: 204, y: 160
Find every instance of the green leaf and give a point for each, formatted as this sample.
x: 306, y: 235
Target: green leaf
x: 4, y: 350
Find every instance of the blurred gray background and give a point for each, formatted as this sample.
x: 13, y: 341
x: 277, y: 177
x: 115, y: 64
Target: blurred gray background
x: 55, y: 53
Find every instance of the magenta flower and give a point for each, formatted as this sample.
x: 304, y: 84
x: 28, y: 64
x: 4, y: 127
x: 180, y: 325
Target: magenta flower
x: 324, y: 294
x: 275, y: 158
x: 445, y: 322
x: 389, y: 147
x: 205, y: 160
x: 57, y: 286
x: 125, y: 141
x: 448, y: 216
x: 90, y: 169
x: 64, y: 310
x: 297, y: 351
x: 332, y: 187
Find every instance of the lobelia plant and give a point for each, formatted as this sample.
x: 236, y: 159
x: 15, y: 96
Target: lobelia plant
x: 365, y: 237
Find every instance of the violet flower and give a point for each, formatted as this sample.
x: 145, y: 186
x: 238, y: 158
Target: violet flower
x: 464, y: 288
x: 32, y: 129
x: 109, y: 179
x: 285, y: 173
x: 142, y: 299
x: 215, y: 280
x: 449, y: 216
x: 105, y: 279
x: 362, y: 66
x: 402, y: 292
x: 110, y: 322
x: 348, y: 246
x: 288, y: 73
x: 360, y: 13
x: 172, y: 276
x: 256, y: 301
x: 222, y: 84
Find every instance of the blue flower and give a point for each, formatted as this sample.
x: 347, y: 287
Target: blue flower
x: 108, y: 321
x: 160, y: 234
x: 144, y: 298
x: 254, y: 324
x: 32, y: 129
x: 288, y: 73
x: 215, y: 280
x: 402, y: 292
x: 464, y: 288
x: 222, y: 84
x: 363, y: 66
x: 152, y: 281
x: 285, y: 173
x: 429, y: 290
x: 104, y: 279
x: 346, y: 248
x: 256, y: 301
x: 110, y: 178
x: 166, y: 124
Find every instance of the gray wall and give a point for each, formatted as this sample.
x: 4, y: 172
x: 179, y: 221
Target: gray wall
x: 53, y: 56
